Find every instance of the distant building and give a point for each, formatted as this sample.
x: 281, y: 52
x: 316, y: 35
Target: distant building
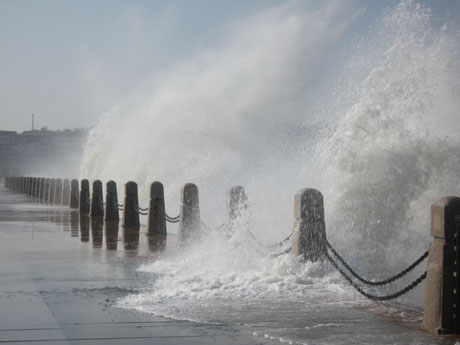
x: 40, y: 151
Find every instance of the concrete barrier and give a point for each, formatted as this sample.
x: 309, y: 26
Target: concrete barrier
x: 52, y: 191
x: 111, y: 234
x: 441, y: 312
x: 156, y: 221
x: 66, y: 192
x: 58, y: 192
x: 97, y: 201
x: 309, y: 236
x: 85, y: 202
x: 111, y: 202
x: 189, y: 224
x: 74, y: 194
x: 130, y: 214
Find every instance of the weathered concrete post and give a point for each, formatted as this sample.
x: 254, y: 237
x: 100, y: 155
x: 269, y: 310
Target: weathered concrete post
x: 189, y: 224
x: 309, y: 237
x: 74, y: 194
x: 66, y: 192
x: 97, y: 226
x: 47, y: 189
x: 52, y: 191
x: 111, y: 202
x: 42, y: 188
x: 58, y: 192
x: 237, y: 203
x: 29, y: 185
x: 130, y: 214
x: 97, y: 201
x: 32, y: 186
x: 441, y: 312
x: 156, y: 221
x: 84, y: 197
x: 23, y: 184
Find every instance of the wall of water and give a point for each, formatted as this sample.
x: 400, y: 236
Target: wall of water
x: 289, y: 100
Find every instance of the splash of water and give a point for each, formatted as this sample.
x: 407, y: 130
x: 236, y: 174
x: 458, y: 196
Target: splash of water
x: 237, y: 115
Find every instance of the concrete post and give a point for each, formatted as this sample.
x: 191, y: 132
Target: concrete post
x: 37, y: 187
x: 84, y: 197
x: 97, y: 201
x: 74, y: 223
x: 84, y: 226
x: 66, y: 192
x: 111, y: 234
x: 29, y: 185
x: 156, y: 221
x: 58, y: 192
x: 130, y: 214
x: 23, y: 185
x: 309, y: 237
x: 74, y: 194
x: 189, y: 224
x: 42, y: 188
x: 32, y: 187
x: 237, y: 203
x: 52, y: 191
x: 111, y: 202
x: 441, y: 312
x: 47, y: 189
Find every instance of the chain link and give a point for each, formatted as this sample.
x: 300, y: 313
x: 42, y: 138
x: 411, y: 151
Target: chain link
x: 381, y: 282
x: 375, y: 297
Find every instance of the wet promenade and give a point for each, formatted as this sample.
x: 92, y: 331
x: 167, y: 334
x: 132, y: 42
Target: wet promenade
x: 59, y: 285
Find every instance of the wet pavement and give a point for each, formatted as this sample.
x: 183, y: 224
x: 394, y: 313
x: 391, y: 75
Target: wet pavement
x: 61, y: 274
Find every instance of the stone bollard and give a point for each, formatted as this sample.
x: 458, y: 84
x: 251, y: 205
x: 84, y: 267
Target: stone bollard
x: 32, y: 186
x: 84, y: 226
x: 47, y: 189
x: 52, y: 191
x: 97, y: 200
x: 111, y: 202
x: 441, y: 313
x: 189, y: 224
x: 130, y: 214
x: 111, y: 234
x: 42, y: 188
x: 29, y: 186
x: 97, y: 226
x: 23, y: 185
x: 58, y: 192
x: 66, y: 192
x: 309, y: 236
x: 237, y: 203
x: 156, y: 221
x: 37, y: 187
x: 84, y: 197
x: 74, y: 194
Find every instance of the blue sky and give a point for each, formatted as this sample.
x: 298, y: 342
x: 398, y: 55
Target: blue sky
x: 70, y: 61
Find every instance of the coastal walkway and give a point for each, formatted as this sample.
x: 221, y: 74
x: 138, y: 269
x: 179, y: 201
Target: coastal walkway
x: 55, y: 289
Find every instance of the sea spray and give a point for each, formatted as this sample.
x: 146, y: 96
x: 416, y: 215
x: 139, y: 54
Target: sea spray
x: 386, y: 148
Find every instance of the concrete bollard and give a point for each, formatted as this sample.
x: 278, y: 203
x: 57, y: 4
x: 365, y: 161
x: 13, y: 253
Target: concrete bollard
x: 29, y: 186
x: 237, y: 203
x: 309, y: 236
x: 74, y: 223
x: 189, y: 224
x: 58, y: 192
x: 130, y: 214
x: 52, y: 191
x: 85, y: 201
x: 111, y: 234
x: 84, y: 227
x: 32, y: 186
x: 74, y: 194
x: 97, y: 200
x: 37, y: 187
x: 156, y: 221
x: 111, y: 202
x: 23, y: 185
x: 441, y: 312
x: 66, y: 192
x: 42, y: 188
x: 47, y: 189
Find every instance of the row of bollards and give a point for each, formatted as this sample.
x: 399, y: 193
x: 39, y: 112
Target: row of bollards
x: 442, y: 295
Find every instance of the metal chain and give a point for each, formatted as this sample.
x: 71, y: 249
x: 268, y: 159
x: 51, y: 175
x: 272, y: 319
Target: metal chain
x: 138, y: 209
x: 269, y: 246
x: 381, y: 282
x: 375, y: 297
